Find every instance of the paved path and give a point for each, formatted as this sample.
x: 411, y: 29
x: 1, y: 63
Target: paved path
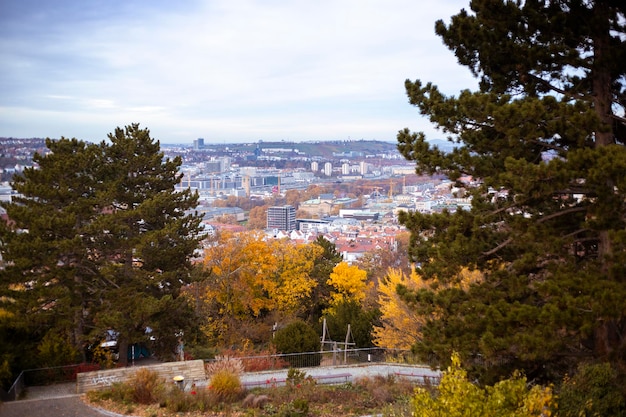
x: 59, y: 400
x: 57, y: 407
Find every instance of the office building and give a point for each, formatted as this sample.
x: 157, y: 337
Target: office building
x: 281, y: 218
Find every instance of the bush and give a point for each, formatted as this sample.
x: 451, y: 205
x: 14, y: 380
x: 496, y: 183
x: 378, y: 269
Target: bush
x: 225, y: 386
x: 147, y: 386
x: 298, y: 337
x: 200, y: 352
x: 593, y: 391
x: 384, y: 389
x: 56, y: 350
x: 255, y: 360
x: 296, y: 408
x: 457, y: 396
x: 224, y: 363
x: 118, y: 392
x: 295, y: 377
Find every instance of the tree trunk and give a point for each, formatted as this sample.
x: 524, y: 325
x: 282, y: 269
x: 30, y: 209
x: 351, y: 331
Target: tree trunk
x: 602, y: 100
x: 610, y: 340
x: 122, y: 345
x: 78, y: 334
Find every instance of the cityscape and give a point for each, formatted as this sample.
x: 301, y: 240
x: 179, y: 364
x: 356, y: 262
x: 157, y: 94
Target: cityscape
x: 362, y: 186
x: 431, y: 196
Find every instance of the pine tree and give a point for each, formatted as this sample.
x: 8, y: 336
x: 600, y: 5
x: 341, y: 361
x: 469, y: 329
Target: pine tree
x: 543, y: 138
x: 147, y: 236
x: 98, y: 238
x: 49, y: 271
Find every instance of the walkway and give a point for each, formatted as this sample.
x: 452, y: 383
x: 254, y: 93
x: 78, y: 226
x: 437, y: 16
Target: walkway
x: 57, y: 407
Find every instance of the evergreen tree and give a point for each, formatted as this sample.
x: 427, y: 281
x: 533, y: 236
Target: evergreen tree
x: 361, y: 321
x: 98, y: 238
x: 322, y: 268
x: 543, y: 138
x: 49, y: 272
x: 149, y: 238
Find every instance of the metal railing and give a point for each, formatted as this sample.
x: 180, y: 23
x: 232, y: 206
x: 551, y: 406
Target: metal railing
x: 333, y: 357
x: 16, y: 389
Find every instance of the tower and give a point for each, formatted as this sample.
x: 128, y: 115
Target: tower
x: 245, y: 182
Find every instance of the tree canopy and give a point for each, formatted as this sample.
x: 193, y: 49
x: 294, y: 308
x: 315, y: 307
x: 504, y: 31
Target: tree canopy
x: 99, y: 239
x: 540, y: 149
x: 250, y: 283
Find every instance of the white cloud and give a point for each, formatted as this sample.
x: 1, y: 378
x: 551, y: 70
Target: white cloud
x: 229, y: 69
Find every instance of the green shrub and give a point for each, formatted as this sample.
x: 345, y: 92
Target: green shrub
x: 118, y: 392
x: 55, y: 349
x: 295, y: 376
x: 458, y: 396
x: 225, y: 386
x: 296, y: 408
x: 351, y: 313
x: 298, y: 337
x: 593, y: 391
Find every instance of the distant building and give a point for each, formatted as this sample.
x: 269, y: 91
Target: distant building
x: 359, y: 214
x: 316, y: 207
x: 281, y: 217
x: 328, y: 169
x: 198, y: 144
x: 312, y: 225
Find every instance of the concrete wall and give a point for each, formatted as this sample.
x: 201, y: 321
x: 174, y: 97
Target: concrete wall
x: 193, y: 371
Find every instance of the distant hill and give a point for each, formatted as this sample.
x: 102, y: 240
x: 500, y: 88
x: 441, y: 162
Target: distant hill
x: 325, y: 149
x: 444, y: 145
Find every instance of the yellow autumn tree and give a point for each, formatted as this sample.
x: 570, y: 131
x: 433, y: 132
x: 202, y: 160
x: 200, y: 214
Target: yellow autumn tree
x: 251, y: 282
x: 293, y: 282
x: 401, y: 325
x: 238, y: 267
x: 349, y: 283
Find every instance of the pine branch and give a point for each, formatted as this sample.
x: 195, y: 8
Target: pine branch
x: 555, y: 88
x: 497, y: 248
x: 561, y: 213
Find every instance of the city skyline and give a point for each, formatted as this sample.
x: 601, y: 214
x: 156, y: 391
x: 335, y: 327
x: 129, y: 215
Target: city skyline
x: 225, y: 71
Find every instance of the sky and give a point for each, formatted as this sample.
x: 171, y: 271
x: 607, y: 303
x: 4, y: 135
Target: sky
x: 223, y: 70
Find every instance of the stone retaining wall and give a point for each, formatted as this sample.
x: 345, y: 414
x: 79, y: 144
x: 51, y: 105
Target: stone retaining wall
x: 88, y: 381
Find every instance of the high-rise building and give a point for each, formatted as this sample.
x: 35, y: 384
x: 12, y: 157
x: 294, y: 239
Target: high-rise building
x: 364, y: 167
x: 198, y: 144
x: 328, y: 169
x: 281, y: 217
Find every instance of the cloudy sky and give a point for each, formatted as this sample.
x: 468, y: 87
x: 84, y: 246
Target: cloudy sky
x: 223, y: 70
